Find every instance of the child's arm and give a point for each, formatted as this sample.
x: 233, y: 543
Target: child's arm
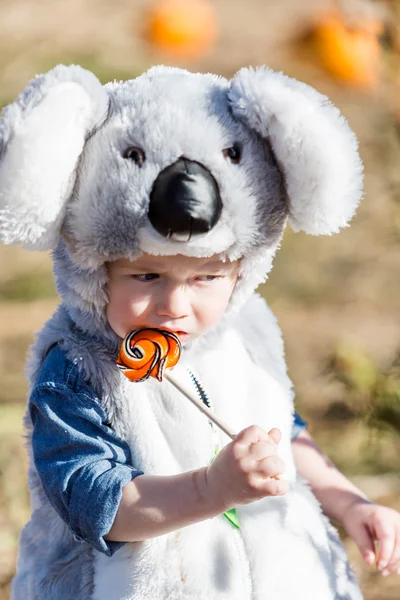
x: 247, y: 469
x: 86, y: 471
x: 343, y: 502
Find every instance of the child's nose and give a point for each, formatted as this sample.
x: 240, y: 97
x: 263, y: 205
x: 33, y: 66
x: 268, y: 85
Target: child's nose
x: 174, y: 302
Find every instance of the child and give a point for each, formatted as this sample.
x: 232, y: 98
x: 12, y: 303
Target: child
x: 164, y: 200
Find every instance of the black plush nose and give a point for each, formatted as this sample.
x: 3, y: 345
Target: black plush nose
x: 184, y: 201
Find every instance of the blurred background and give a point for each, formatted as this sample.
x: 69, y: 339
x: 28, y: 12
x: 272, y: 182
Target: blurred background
x: 337, y: 299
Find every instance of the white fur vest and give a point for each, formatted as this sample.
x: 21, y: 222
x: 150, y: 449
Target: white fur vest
x: 285, y: 548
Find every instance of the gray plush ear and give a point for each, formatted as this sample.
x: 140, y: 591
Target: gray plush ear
x: 42, y: 135
x: 313, y: 144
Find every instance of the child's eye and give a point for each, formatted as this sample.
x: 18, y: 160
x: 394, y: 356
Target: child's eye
x: 145, y: 276
x: 207, y: 277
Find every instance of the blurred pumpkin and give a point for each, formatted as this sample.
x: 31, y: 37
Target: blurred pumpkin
x: 349, y: 52
x: 182, y: 27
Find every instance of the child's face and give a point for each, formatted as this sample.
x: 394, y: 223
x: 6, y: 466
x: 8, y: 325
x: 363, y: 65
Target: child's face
x: 182, y: 294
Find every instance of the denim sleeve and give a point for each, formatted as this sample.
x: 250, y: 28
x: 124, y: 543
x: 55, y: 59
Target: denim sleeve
x: 83, y: 465
x: 298, y: 426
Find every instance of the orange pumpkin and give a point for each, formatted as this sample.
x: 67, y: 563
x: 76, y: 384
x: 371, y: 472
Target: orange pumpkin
x: 183, y: 27
x: 350, y: 53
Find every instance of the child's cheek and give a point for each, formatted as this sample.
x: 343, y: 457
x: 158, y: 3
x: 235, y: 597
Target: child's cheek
x: 211, y: 316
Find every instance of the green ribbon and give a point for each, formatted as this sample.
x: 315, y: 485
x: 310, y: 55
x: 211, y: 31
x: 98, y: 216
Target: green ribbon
x: 232, y: 517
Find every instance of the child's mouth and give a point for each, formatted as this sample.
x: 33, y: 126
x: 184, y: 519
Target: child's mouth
x: 181, y: 334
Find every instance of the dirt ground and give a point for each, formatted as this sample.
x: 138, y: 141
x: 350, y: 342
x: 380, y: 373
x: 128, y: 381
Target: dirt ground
x: 343, y: 289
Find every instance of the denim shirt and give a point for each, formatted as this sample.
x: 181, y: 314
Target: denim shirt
x: 82, y: 464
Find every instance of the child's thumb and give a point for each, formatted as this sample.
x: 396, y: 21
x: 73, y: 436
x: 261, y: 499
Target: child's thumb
x: 275, y: 434
x: 365, y: 544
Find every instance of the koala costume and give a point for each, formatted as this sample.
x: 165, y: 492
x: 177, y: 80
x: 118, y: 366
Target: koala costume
x: 84, y: 170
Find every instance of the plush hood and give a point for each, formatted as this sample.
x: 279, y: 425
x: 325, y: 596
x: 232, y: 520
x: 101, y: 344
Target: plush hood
x: 170, y: 163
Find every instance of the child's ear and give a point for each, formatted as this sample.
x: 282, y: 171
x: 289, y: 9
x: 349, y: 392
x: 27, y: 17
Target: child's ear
x: 42, y: 135
x: 315, y: 149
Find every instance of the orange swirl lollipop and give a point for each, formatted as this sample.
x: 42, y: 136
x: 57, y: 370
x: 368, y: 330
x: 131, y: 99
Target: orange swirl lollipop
x: 147, y: 353
x: 150, y: 352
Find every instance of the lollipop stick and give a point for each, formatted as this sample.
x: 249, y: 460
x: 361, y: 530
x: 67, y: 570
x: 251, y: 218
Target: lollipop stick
x: 147, y: 352
x: 175, y: 380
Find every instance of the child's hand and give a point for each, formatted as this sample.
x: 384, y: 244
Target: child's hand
x: 367, y: 523
x: 247, y: 469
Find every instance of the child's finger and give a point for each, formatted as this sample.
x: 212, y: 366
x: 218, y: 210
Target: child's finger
x: 369, y: 557
x: 271, y: 466
x: 261, y: 450
x: 250, y: 435
x: 394, y: 562
x: 386, y: 537
x: 274, y: 487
